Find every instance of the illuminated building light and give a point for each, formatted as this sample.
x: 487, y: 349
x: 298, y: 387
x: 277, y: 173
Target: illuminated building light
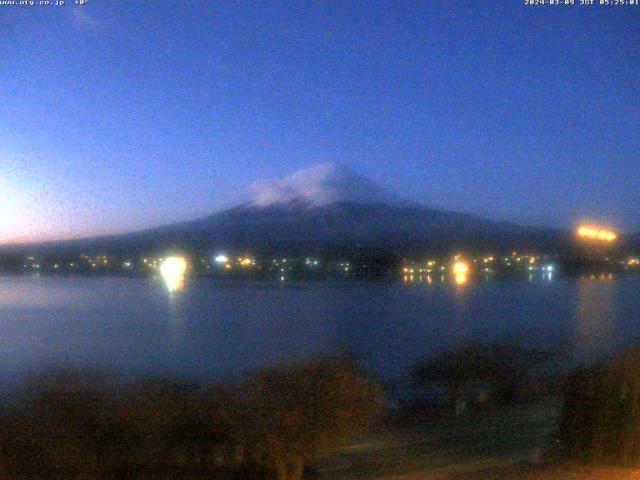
x: 590, y: 232
x: 221, y: 259
x: 173, y: 270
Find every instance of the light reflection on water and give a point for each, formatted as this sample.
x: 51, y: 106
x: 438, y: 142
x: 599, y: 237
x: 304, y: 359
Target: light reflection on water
x: 226, y: 328
x: 177, y: 317
x: 461, y: 278
x: 595, y: 316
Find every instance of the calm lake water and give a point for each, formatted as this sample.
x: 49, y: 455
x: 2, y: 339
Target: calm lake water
x: 224, y: 329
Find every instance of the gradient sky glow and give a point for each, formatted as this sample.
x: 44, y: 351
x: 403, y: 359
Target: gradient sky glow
x: 122, y: 115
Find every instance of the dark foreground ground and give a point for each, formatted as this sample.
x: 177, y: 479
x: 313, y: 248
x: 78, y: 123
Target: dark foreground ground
x: 499, y: 445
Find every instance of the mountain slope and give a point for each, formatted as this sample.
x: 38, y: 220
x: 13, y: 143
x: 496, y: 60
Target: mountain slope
x: 343, y: 226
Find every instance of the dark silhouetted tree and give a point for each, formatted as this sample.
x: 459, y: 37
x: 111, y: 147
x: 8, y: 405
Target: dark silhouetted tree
x: 64, y: 426
x: 293, y: 412
x: 600, y: 420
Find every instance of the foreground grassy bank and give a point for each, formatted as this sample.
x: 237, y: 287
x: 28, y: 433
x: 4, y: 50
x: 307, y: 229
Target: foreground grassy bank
x: 447, y: 446
x: 506, y: 444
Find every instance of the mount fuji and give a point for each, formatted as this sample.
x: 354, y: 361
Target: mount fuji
x: 326, y: 209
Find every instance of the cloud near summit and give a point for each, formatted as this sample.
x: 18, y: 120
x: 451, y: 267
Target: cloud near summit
x: 317, y: 186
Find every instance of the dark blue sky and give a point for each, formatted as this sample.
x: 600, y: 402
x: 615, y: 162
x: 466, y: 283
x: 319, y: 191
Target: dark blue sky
x: 121, y: 115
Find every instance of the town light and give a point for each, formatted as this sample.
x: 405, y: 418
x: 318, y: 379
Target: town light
x: 221, y: 259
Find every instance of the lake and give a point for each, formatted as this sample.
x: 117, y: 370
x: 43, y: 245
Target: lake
x: 225, y: 328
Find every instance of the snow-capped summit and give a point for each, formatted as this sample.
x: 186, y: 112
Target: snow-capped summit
x: 318, y: 186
